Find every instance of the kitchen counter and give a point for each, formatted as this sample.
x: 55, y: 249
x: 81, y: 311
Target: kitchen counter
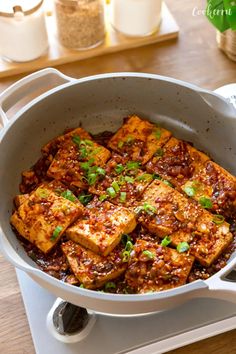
x: 194, y: 57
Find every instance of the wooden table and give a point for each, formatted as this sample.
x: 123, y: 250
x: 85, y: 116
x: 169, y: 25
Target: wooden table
x: 194, y: 58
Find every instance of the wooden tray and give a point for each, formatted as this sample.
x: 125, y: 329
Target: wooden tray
x: 114, y: 42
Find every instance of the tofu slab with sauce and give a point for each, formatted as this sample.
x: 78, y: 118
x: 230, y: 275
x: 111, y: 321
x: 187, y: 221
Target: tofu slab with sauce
x: 102, y: 226
x: 43, y: 217
x: 139, y: 139
x: 166, y: 212
x: 93, y: 270
x: 153, y: 267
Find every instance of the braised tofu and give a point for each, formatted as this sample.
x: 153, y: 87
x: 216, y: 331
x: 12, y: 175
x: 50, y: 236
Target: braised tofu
x: 123, y: 183
x: 166, y: 212
x: 101, y: 227
x: 138, y: 139
x: 155, y: 268
x: 20, y: 199
x: 78, y: 162
x: 92, y: 270
x: 177, y: 161
x: 214, y: 188
x: 44, y: 216
x: 63, y: 140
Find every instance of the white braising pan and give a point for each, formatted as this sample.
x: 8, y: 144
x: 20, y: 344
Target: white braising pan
x: 99, y: 103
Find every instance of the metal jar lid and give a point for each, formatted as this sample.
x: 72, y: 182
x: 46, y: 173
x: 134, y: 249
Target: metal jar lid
x: 26, y: 7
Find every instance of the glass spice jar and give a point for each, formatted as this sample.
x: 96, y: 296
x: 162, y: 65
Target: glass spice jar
x: 80, y: 23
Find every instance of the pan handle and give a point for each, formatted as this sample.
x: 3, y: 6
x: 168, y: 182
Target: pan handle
x: 28, y: 84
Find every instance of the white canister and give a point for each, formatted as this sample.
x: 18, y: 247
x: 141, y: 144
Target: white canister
x: 136, y: 17
x: 23, y: 34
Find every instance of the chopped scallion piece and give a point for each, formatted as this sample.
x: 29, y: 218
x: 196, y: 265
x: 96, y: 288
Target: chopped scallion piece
x: 125, y: 256
x: 122, y: 197
x: 168, y: 183
x: 81, y: 286
x: 110, y: 285
x: 150, y: 209
x: 56, y: 233
x: 125, y: 238
x: 111, y: 192
x: 132, y: 165
x: 155, y: 176
x: 218, y: 219
x: 129, y: 139
x: 120, y: 144
x: 159, y: 152
x: 182, y: 247
x: 76, y: 139
x: 101, y: 171
x: 148, y: 254
x: 157, y: 133
x: 206, y: 203
x: 42, y: 193
x: 102, y: 197
x: 190, y: 191
x: 144, y: 177
x: 92, y: 178
x: 116, y: 187
x: 129, y: 179
x: 119, y: 168
x: 85, y: 199
x: 68, y: 195
x: 166, y: 241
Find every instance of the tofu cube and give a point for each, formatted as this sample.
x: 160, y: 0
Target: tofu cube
x: 217, y: 185
x: 138, y: 139
x: 101, y: 227
x: 44, y: 216
x: 177, y: 161
x: 92, y: 270
x: 166, y: 212
x: 76, y: 160
x: 155, y: 268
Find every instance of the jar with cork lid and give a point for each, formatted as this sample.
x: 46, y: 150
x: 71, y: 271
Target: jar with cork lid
x: 23, y: 34
x: 80, y: 23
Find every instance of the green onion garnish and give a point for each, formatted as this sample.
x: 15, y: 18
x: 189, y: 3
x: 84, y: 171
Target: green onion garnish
x: 206, y: 203
x: 116, y: 187
x: 155, y: 176
x: 111, y: 192
x: 86, y: 165
x: 182, y: 247
x: 86, y: 142
x: 101, y: 171
x: 76, y: 139
x: 159, y: 152
x: 119, y: 168
x: 120, y: 144
x: 92, y: 178
x: 218, y: 219
x: 85, y: 198
x: 129, y: 139
x: 190, y: 191
x: 122, y: 197
x: 125, y: 256
x: 145, y: 177
x: 157, y: 133
x: 148, y: 254
x: 132, y: 165
x: 42, y: 193
x: 129, y: 179
x: 166, y: 241
x: 150, y: 209
x: 81, y: 286
x: 68, y: 195
x: 103, y: 197
x: 168, y: 183
x: 56, y: 233
x: 110, y: 285
x: 125, y: 238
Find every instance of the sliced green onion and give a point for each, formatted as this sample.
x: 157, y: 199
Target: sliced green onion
x: 159, y: 152
x: 83, y: 152
x: 132, y: 165
x: 56, y: 233
x: 42, y: 193
x: 92, y: 178
x: 68, y: 195
x: 120, y: 144
x: 122, y: 197
x: 168, y: 183
x: 218, y: 219
x: 110, y: 285
x: 148, y: 254
x: 125, y: 256
x: 155, y: 176
x: 129, y: 139
x: 190, y: 191
x: 111, y: 192
x: 125, y: 238
x: 157, y: 133
x: 101, y: 171
x: 182, y: 247
x: 148, y: 208
x: 86, y: 142
x: 86, y: 165
x: 116, y: 187
x: 76, y: 139
x: 81, y: 286
x: 166, y: 241
x: 129, y: 179
x: 145, y: 177
x: 206, y: 203
x: 103, y: 197
x: 85, y: 199
x: 129, y: 246
x: 119, y: 168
